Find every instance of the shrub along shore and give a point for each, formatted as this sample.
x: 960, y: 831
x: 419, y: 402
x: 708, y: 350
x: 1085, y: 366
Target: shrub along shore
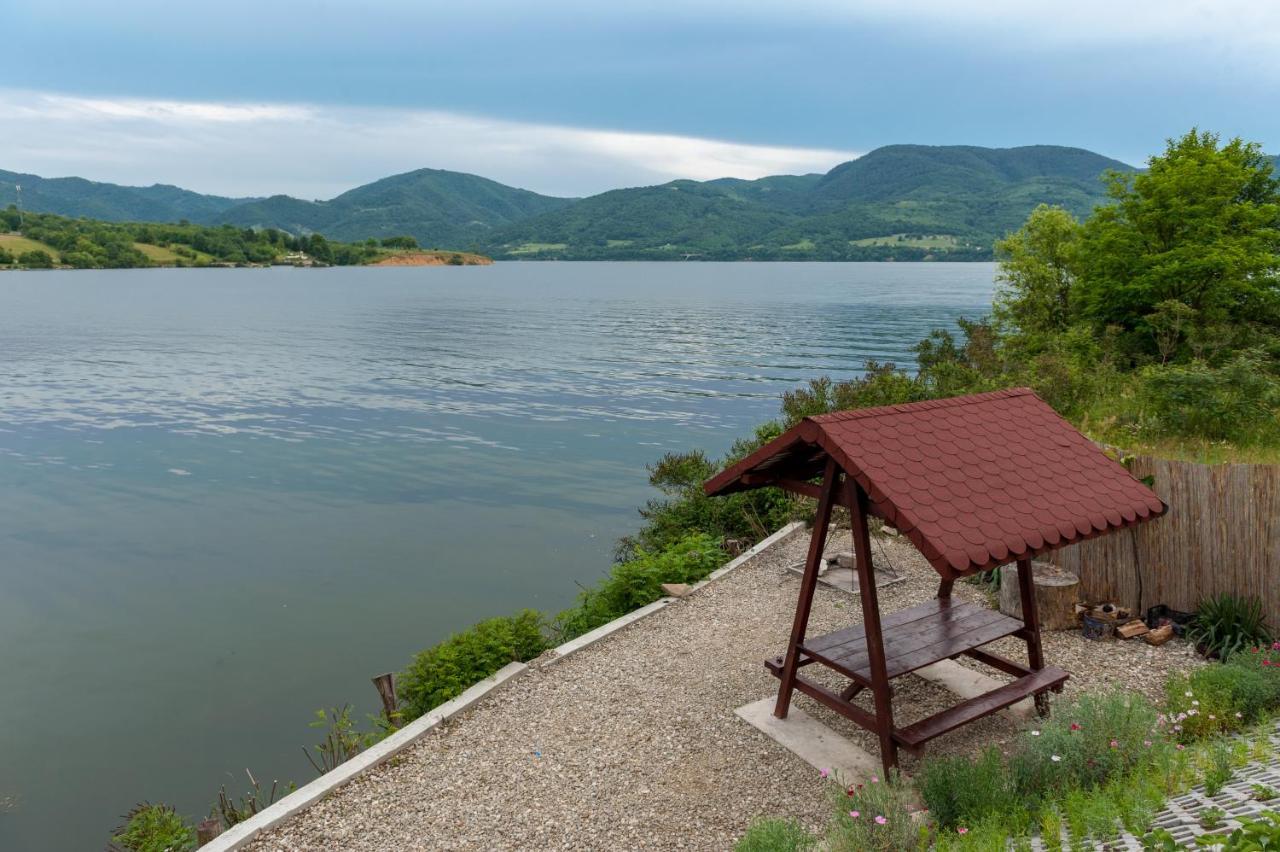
x: 1154, y: 324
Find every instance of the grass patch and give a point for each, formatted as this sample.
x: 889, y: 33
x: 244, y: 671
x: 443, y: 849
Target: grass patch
x: 157, y: 254
x: 617, y: 243
x: 18, y: 244
x: 804, y: 245
x: 537, y: 248
x: 925, y: 241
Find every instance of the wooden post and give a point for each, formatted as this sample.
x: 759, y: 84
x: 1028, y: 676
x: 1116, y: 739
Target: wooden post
x: 808, y: 585
x: 859, y: 509
x: 208, y: 829
x: 1031, y: 618
x: 386, y: 686
x: 944, y: 589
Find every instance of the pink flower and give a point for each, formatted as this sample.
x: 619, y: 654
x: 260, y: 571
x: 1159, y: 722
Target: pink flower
x: 962, y: 830
x: 1115, y: 744
x: 1181, y: 746
x: 1075, y: 726
x: 1275, y: 646
x: 875, y: 780
x: 1147, y: 743
x: 824, y: 772
x: 881, y: 820
x: 854, y: 814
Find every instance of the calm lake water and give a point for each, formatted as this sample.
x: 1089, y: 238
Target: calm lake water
x: 229, y: 498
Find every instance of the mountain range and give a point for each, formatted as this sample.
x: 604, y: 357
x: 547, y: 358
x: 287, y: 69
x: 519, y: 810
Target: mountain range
x: 897, y: 202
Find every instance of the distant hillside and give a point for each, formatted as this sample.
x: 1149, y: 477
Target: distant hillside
x: 438, y: 208
x: 901, y: 201
x: 73, y: 196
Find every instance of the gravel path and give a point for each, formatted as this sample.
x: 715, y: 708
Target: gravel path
x: 633, y: 742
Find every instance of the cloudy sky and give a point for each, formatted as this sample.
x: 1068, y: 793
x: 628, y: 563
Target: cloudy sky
x: 312, y: 97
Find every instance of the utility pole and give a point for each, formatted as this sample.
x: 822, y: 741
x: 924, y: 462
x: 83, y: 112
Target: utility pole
x: 18, y: 187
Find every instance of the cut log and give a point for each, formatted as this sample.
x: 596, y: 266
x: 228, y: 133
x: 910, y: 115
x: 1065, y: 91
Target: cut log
x: 1056, y: 594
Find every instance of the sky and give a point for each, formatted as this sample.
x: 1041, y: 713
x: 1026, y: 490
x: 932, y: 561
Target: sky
x: 313, y: 97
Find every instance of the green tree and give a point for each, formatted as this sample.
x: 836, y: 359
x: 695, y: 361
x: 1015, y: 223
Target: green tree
x: 1201, y: 227
x: 37, y: 259
x: 1033, y: 296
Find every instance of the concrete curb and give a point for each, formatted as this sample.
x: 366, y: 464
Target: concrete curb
x: 588, y: 639
x: 304, y: 797
x: 288, y: 807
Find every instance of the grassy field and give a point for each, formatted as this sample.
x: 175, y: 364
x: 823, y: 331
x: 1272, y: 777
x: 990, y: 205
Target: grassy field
x: 156, y: 254
x: 536, y: 248
x: 804, y: 245
x: 17, y: 245
x: 924, y: 241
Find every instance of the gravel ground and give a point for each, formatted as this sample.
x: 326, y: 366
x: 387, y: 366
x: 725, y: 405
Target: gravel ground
x: 633, y: 742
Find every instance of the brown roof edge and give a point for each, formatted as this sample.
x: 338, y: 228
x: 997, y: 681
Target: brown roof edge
x: 807, y: 431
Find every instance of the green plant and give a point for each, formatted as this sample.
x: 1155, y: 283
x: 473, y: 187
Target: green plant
x: 1219, y: 769
x: 1227, y: 624
x: 154, y: 828
x: 1253, y: 835
x: 872, y: 817
x: 958, y: 791
x: 341, y: 742
x: 1051, y: 828
x: 1160, y: 840
x: 775, y: 835
x: 1262, y: 793
x: 1212, y: 817
x: 1217, y: 698
x: 446, y: 670
x: 233, y: 811
x: 638, y: 582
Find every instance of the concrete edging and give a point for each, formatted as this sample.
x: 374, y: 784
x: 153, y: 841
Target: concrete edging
x: 588, y: 639
x: 304, y: 797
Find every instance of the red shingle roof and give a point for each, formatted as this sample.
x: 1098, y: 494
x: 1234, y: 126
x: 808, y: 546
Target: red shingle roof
x: 973, y: 481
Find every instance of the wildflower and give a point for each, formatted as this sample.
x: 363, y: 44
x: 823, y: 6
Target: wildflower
x: 1195, y: 703
x: 1193, y: 711
x: 1239, y: 715
x: 1035, y: 733
x: 824, y: 772
x: 1212, y: 717
x: 1189, y: 694
x: 1181, y: 746
x: 1266, y: 662
x: 854, y: 814
x: 962, y: 830
x: 875, y: 780
x: 1275, y: 646
x: 1177, y: 728
x: 881, y: 820
x: 1147, y: 743
x: 1075, y: 726
x: 1115, y: 744
x: 1255, y: 650
x: 1055, y: 758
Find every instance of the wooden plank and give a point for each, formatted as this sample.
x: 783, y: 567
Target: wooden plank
x: 928, y: 609
x: 913, y: 736
x: 850, y: 711
x: 876, y: 663
x: 998, y: 662
x: 920, y: 635
x: 809, y: 583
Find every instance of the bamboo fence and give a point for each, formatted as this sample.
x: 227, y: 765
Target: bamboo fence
x: 1221, y: 534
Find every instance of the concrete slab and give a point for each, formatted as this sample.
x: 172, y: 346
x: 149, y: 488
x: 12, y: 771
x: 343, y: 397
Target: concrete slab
x: 967, y: 683
x: 845, y: 579
x: 812, y: 741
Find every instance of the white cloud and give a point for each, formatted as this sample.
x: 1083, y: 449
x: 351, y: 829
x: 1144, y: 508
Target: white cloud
x: 318, y: 151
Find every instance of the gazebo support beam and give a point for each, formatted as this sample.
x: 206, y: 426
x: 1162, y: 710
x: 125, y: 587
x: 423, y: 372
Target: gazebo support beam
x: 1031, y: 618
x: 808, y: 585
x: 856, y: 497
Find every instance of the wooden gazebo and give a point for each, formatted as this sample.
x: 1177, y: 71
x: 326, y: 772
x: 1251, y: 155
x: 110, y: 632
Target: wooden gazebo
x: 973, y: 482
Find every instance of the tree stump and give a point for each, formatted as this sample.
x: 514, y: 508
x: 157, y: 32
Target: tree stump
x: 1056, y: 594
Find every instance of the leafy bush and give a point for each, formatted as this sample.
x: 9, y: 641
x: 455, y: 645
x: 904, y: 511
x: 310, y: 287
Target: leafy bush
x: 775, y: 835
x: 446, y: 670
x: 1087, y: 743
x: 1217, y: 698
x: 1253, y: 834
x: 154, y: 828
x: 960, y: 792
x: 1226, y: 624
x: 1235, y: 402
x: 36, y: 259
x: 873, y: 817
x: 638, y: 582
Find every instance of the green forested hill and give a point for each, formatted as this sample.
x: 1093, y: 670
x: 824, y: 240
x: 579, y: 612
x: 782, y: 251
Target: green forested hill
x: 438, y: 208
x: 904, y: 202
x: 901, y: 201
x: 73, y: 196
